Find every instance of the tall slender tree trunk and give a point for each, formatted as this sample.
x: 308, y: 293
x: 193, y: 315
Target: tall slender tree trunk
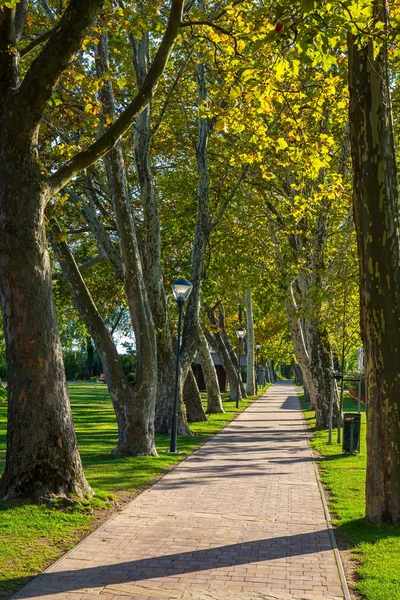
x: 152, y: 256
x: 191, y: 330
x: 250, y: 380
x: 89, y: 367
x: 214, y: 401
x: 136, y: 293
x: 376, y: 216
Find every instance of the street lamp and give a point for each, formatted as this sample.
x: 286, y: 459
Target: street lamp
x: 181, y: 289
x: 240, y: 334
x: 258, y: 348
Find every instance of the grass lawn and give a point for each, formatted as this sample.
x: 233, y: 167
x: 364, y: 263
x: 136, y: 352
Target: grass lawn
x: 376, y: 548
x: 32, y: 536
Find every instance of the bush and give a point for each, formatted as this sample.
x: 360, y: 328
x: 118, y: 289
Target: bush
x: 131, y: 377
x: 3, y: 394
x: 93, y: 378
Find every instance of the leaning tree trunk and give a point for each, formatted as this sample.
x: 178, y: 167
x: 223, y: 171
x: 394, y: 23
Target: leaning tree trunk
x: 215, y: 339
x: 232, y: 353
x: 376, y: 216
x: 42, y: 454
x: 152, y: 256
x: 122, y: 392
x: 191, y: 330
x: 250, y: 380
x: 214, y: 401
x: 192, y: 399
x: 145, y: 387
x: 312, y: 350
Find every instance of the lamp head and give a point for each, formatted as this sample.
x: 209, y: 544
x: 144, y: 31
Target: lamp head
x: 240, y: 333
x: 181, y: 289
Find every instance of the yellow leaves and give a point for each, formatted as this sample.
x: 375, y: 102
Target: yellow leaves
x: 220, y: 124
x: 122, y: 82
x: 281, y: 67
x: 282, y: 144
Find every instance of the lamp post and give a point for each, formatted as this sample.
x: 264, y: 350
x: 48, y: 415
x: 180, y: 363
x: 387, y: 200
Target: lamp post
x: 258, y: 348
x: 181, y: 289
x: 240, y: 333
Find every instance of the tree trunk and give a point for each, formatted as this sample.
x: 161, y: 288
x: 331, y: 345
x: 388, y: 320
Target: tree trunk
x: 89, y: 367
x: 122, y: 393
x: 376, y: 216
x: 216, y: 340
x: 142, y: 320
x: 42, y: 454
x: 166, y: 358
x: 214, y: 402
x: 192, y: 399
x: 191, y: 330
x: 230, y: 348
x: 250, y: 380
x: 312, y: 350
x: 320, y: 371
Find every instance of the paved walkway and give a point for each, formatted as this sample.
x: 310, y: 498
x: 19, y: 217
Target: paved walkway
x: 241, y: 518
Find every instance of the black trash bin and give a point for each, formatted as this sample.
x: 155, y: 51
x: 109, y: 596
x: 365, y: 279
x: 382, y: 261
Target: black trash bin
x: 351, y: 432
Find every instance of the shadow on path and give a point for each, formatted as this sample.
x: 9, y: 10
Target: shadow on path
x: 178, y: 564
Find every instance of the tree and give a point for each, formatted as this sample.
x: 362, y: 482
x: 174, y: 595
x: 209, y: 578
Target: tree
x: 42, y: 455
x: 376, y: 216
x: 250, y: 380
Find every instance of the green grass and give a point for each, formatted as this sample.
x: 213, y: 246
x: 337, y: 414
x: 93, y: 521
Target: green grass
x: 376, y: 548
x: 32, y: 536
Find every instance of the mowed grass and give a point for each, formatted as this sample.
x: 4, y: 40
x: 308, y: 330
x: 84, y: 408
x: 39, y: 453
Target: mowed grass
x: 376, y: 548
x: 32, y: 536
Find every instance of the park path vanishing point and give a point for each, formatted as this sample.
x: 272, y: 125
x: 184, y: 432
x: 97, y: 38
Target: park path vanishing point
x: 240, y: 518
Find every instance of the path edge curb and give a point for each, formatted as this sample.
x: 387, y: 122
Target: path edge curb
x: 331, y: 531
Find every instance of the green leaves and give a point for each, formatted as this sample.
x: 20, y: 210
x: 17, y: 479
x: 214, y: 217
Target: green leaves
x: 308, y: 5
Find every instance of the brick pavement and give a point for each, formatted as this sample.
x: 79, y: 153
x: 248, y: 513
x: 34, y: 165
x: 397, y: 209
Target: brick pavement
x: 242, y: 518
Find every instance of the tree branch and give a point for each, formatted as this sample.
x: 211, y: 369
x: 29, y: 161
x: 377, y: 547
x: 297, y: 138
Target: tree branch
x: 43, y: 37
x: 21, y: 13
x: 45, y: 70
x: 111, y: 136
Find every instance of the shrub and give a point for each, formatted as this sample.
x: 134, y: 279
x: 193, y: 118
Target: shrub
x: 93, y: 378
x: 131, y: 377
x: 3, y: 394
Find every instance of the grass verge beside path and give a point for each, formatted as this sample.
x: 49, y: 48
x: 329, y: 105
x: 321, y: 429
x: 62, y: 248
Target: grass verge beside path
x: 376, y: 548
x: 32, y: 536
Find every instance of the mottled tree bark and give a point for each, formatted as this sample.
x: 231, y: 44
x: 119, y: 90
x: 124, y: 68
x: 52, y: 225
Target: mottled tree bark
x: 309, y: 334
x: 192, y: 399
x: 42, y: 455
x: 214, y: 401
x: 152, y: 257
x: 376, y: 216
x: 145, y: 387
x: 251, y: 379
